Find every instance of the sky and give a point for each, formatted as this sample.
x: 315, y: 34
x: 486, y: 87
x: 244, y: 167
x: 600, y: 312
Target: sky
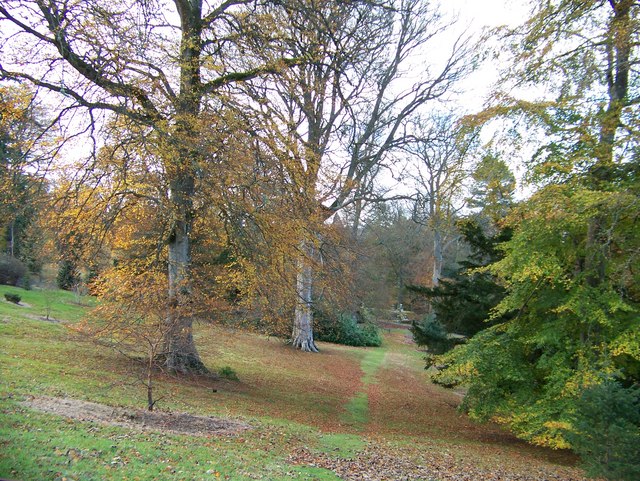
x: 489, y: 12
x: 476, y: 15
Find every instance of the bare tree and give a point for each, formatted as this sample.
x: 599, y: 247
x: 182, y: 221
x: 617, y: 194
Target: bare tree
x: 441, y: 149
x: 338, y: 120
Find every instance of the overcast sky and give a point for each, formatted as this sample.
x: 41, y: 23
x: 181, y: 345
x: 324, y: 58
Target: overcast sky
x: 474, y: 16
x: 489, y: 12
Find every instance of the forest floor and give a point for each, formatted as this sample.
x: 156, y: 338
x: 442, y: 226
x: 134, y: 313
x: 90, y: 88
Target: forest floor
x: 70, y: 410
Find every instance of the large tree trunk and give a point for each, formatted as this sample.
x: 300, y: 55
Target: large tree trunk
x: 302, y: 336
x: 179, y: 347
x: 180, y: 353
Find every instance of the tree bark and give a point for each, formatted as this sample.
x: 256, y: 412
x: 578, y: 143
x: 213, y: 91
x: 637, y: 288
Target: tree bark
x: 180, y: 353
x: 302, y: 336
x: 437, y: 258
x: 179, y: 347
x: 400, y: 287
x: 617, y: 76
x: 11, y: 240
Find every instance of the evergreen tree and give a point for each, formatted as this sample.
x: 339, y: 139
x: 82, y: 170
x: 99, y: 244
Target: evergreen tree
x: 463, y: 303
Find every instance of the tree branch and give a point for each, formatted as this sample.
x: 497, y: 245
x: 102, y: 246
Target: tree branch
x: 234, y: 77
x: 88, y: 71
x: 64, y: 90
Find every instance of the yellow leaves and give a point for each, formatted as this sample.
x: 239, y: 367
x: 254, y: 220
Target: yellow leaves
x: 550, y: 434
x: 554, y: 436
x: 14, y: 104
x: 627, y: 344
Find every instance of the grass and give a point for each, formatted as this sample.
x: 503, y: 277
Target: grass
x: 38, y: 446
x: 56, y: 304
x: 335, y: 403
x: 358, y: 406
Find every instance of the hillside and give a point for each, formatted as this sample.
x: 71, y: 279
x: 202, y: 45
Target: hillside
x: 346, y: 413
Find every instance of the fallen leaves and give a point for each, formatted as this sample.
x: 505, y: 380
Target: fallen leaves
x: 377, y: 463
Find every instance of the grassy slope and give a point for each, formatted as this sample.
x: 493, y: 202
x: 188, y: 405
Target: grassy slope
x: 333, y: 402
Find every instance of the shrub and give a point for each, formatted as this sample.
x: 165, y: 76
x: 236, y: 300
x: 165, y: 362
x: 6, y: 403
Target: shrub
x: 12, y: 271
x: 25, y: 281
x: 15, y: 298
x: 228, y: 373
x: 606, y: 431
x: 345, y: 330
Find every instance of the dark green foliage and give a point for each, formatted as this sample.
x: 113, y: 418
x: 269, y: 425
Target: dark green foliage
x: 431, y: 333
x: 606, y: 432
x: 344, y: 329
x: 12, y: 271
x: 25, y: 282
x: 228, y: 373
x: 68, y: 276
x: 15, y: 298
x: 463, y: 303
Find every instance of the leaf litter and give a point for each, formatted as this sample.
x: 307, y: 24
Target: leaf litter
x: 379, y: 463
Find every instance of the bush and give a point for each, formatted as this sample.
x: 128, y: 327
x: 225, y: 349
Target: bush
x: 15, y: 298
x: 345, y: 330
x: 606, y: 431
x: 12, y: 271
x: 228, y: 373
x: 25, y: 281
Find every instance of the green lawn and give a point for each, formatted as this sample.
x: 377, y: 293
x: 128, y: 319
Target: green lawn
x: 338, y: 402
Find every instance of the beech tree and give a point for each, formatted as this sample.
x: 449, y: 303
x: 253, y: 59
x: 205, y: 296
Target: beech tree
x: 162, y: 66
x: 441, y: 149
x: 341, y: 117
x: 568, y: 324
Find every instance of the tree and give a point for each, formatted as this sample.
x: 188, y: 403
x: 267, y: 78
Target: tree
x: 492, y: 190
x: 131, y: 318
x: 441, y: 149
x: 162, y: 69
x: 338, y: 119
x: 391, y: 244
x: 23, y: 165
x: 463, y: 303
x: 571, y: 301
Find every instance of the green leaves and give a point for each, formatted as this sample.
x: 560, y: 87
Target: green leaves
x: 559, y: 332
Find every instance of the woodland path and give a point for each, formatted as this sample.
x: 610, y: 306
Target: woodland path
x: 407, y: 419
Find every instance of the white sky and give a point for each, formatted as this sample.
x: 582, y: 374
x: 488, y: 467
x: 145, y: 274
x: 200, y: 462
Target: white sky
x: 477, y: 15
x: 489, y: 12
x: 474, y: 16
